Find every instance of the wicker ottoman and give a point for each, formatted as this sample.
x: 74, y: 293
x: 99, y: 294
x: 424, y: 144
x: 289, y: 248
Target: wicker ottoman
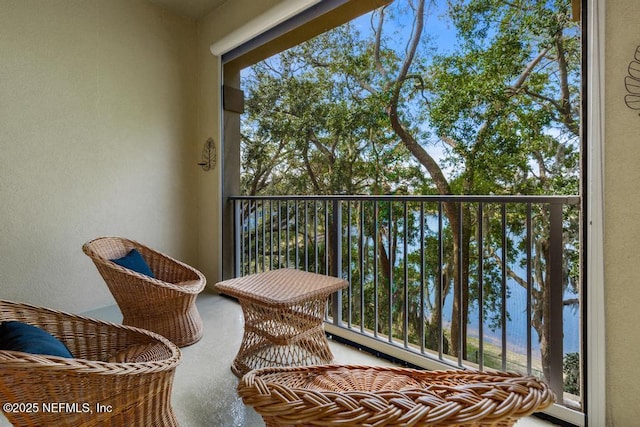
x: 283, y: 318
x: 349, y: 395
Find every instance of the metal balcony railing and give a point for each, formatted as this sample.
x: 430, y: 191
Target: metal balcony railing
x: 463, y: 281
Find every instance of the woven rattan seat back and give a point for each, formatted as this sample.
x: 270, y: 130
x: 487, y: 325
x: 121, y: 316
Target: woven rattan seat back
x: 87, y: 390
x: 165, y: 303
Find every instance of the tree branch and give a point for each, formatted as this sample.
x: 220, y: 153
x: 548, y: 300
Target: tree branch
x: 528, y: 70
x: 378, y: 41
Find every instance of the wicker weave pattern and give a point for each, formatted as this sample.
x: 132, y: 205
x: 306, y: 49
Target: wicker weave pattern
x: 164, y: 304
x: 349, y: 395
x: 283, y: 314
x: 284, y: 287
x: 139, y: 394
x: 273, y: 337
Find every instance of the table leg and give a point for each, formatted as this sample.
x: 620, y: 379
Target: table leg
x: 282, y: 337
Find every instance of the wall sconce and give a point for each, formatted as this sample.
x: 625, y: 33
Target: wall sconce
x: 209, y: 159
x: 632, y: 82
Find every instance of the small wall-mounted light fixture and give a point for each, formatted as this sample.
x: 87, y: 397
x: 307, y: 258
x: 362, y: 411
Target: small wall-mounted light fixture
x: 209, y: 159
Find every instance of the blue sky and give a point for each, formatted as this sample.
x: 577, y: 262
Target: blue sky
x: 436, y: 25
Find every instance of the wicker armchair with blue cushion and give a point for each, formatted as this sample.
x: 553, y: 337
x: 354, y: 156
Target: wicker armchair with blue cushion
x: 102, y: 374
x: 152, y: 290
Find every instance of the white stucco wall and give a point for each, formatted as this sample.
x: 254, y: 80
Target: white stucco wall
x: 622, y: 228
x: 105, y: 107
x: 97, y: 119
x: 216, y: 25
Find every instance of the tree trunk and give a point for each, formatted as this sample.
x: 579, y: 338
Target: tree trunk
x: 542, y: 309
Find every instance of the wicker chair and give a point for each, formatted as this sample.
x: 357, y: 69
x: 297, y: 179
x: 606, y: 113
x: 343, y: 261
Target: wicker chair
x: 164, y: 304
x: 88, y: 390
x: 349, y: 395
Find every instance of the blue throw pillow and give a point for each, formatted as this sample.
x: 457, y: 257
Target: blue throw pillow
x: 18, y: 336
x: 134, y: 261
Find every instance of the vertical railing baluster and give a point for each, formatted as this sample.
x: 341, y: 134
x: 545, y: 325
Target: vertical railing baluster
x: 296, y: 232
x: 241, y: 231
x: 422, y: 280
x: 270, y: 234
x: 249, y: 250
x: 504, y: 285
x: 237, y: 242
x: 349, y: 270
x: 480, y: 220
x: 255, y: 233
x: 306, y: 235
x: 256, y: 238
x: 555, y: 302
x: 326, y: 237
x: 390, y: 272
x: 315, y: 235
x: 264, y: 236
x: 529, y: 288
x: 246, y: 231
x: 287, y: 237
x: 336, y: 266
x: 405, y: 259
x: 362, y: 265
x: 461, y: 314
x: 375, y: 268
x: 440, y: 287
x: 279, y: 233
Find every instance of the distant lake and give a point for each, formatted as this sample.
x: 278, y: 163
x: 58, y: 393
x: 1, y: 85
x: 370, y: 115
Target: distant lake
x: 517, y: 324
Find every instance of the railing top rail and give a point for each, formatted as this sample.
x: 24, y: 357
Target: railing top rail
x: 569, y: 199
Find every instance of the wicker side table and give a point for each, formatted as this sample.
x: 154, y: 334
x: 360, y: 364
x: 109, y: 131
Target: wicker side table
x: 283, y: 314
x: 350, y: 395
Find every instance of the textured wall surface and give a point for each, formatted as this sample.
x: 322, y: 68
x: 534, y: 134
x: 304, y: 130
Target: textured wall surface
x: 622, y: 229
x: 219, y: 23
x: 98, y: 115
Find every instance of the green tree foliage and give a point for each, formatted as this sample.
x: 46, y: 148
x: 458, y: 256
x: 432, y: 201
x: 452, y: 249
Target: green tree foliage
x: 572, y: 373
x: 390, y: 110
x: 308, y: 129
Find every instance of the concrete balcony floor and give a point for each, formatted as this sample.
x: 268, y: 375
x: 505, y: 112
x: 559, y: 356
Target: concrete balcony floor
x: 204, y: 393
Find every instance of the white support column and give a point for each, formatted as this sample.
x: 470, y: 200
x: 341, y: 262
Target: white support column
x: 596, y: 349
